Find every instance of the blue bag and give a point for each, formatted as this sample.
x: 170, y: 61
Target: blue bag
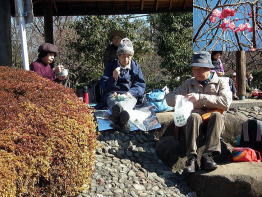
x: 157, y: 99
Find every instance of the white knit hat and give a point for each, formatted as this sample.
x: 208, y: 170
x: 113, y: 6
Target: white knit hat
x: 125, y: 47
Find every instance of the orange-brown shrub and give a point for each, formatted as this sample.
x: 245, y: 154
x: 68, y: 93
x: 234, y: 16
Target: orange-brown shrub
x: 47, y: 137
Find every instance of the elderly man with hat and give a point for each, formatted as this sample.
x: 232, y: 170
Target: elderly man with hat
x: 115, y: 37
x: 211, y: 96
x: 123, y: 85
x: 46, y: 57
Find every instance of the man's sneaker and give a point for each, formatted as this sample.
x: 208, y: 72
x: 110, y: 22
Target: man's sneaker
x: 207, y: 162
x: 191, y: 164
x: 123, y: 121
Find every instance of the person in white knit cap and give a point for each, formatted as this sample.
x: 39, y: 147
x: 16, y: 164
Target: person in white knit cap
x: 123, y: 85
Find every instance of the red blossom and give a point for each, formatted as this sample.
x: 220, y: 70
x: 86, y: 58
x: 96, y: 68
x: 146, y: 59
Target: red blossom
x: 212, y: 19
x: 232, y: 13
x: 216, y: 13
x: 226, y: 21
x: 242, y: 27
x: 236, y: 30
x: 231, y: 25
x: 223, y: 26
x: 247, y: 25
x: 227, y: 12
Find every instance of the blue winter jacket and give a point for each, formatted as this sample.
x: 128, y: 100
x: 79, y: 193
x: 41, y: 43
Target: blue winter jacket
x: 130, y: 80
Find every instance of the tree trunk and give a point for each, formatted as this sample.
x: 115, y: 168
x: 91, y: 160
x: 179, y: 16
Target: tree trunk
x: 241, y: 73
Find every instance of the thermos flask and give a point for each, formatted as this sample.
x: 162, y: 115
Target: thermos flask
x: 85, y: 95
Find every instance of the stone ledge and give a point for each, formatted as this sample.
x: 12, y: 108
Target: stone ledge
x: 233, y: 179
x: 246, y: 103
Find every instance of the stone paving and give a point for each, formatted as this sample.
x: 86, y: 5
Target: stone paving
x: 127, y: 165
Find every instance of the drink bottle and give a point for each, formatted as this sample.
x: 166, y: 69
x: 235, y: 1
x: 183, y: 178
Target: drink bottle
x: 85, y: 95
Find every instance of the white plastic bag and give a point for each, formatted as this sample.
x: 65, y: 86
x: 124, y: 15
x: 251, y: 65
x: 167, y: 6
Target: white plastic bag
x: 183, y: 110
x: 165, y: 89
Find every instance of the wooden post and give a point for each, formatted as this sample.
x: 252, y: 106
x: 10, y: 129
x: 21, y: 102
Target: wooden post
x: 241, y: 74
x: 48, y: 22
x: 5, y: 34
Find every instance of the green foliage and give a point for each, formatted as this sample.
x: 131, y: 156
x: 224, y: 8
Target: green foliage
x: 257, y: 82
x: 171, y: 84
x: 88, y: 49
x: 173, y: 35
x: 47, y: 137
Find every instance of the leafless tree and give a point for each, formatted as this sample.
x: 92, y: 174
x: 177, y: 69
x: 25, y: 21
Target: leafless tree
x: 253, y: 61
x: 240, y: 31
x: 35, y: 37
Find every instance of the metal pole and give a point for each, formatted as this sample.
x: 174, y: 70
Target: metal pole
x: 21, y: 22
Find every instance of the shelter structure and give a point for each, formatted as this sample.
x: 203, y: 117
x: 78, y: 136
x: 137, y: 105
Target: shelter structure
x: 50, y: 8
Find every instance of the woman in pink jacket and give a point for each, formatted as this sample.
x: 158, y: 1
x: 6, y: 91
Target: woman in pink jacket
x: 43, y: 65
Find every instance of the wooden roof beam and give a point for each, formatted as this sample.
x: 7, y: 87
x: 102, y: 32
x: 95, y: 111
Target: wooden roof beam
x: 170, y: 4
x: 156, y: 4
x: 184, y: 4
x: 142, y: 5
x: 127, y: 5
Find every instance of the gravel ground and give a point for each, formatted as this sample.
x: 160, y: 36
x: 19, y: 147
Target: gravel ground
x: 127, y: 165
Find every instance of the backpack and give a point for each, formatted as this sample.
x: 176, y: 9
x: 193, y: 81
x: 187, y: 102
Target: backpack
x: 157, y: 99
x: 251, y: 134
x: 243, y: 154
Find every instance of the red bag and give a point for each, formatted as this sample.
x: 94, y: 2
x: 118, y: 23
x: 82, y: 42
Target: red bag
x: 245, y: 154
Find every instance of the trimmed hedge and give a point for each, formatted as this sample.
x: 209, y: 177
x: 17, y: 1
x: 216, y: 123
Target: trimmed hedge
x: 47, y: 137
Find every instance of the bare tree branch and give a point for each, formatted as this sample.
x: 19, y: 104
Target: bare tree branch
x: 203, y: 23
x: 238, y: 41
x: 210, y: 30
